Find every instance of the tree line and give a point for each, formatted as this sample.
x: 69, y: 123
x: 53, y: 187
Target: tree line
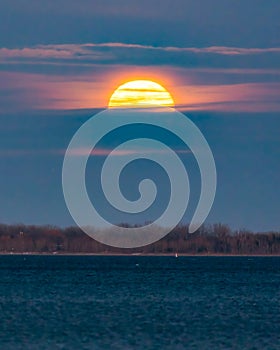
x: 209, y: 239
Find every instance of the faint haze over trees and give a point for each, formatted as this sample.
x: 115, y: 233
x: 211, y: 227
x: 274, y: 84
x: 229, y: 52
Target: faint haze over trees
x: 209, y: 239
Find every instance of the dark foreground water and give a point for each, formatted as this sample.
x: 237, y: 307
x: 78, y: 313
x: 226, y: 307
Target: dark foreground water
x: 60, y: 302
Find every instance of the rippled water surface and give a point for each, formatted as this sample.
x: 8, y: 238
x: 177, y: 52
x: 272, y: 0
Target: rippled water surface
x: 135, y: 302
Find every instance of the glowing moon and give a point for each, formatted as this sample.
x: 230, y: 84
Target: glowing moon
x: 141, y: 93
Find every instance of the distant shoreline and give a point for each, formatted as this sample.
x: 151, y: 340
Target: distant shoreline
x: 137, y: 254
x: 211, y: 240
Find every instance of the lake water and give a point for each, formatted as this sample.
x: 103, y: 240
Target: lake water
x: 135, y: 302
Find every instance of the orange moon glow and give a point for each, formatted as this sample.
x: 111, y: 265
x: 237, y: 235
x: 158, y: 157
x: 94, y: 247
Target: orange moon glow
x: 141, y: 93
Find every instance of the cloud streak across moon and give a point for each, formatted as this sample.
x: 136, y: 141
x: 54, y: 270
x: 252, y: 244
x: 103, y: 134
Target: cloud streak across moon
x: 68, y: 92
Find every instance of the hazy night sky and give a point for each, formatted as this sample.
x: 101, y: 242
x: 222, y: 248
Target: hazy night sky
x: 61, y: 60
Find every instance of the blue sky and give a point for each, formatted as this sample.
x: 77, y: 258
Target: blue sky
x: 60, y: 61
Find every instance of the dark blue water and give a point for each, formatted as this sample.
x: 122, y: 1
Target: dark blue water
x: 71, y: 302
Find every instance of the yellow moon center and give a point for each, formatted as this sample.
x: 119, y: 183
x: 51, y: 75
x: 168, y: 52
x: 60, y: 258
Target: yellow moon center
x: 141, y: 93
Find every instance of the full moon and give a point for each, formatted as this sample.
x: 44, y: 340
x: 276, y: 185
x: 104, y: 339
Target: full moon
x: 140, y: 93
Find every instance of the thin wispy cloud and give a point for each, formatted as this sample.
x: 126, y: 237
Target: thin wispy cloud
x: 93, y: 51
x: 78, y: 51
x: 79, y: 152
x: 219, y: 50
x: 10, y: 153
x: 119, y: 153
